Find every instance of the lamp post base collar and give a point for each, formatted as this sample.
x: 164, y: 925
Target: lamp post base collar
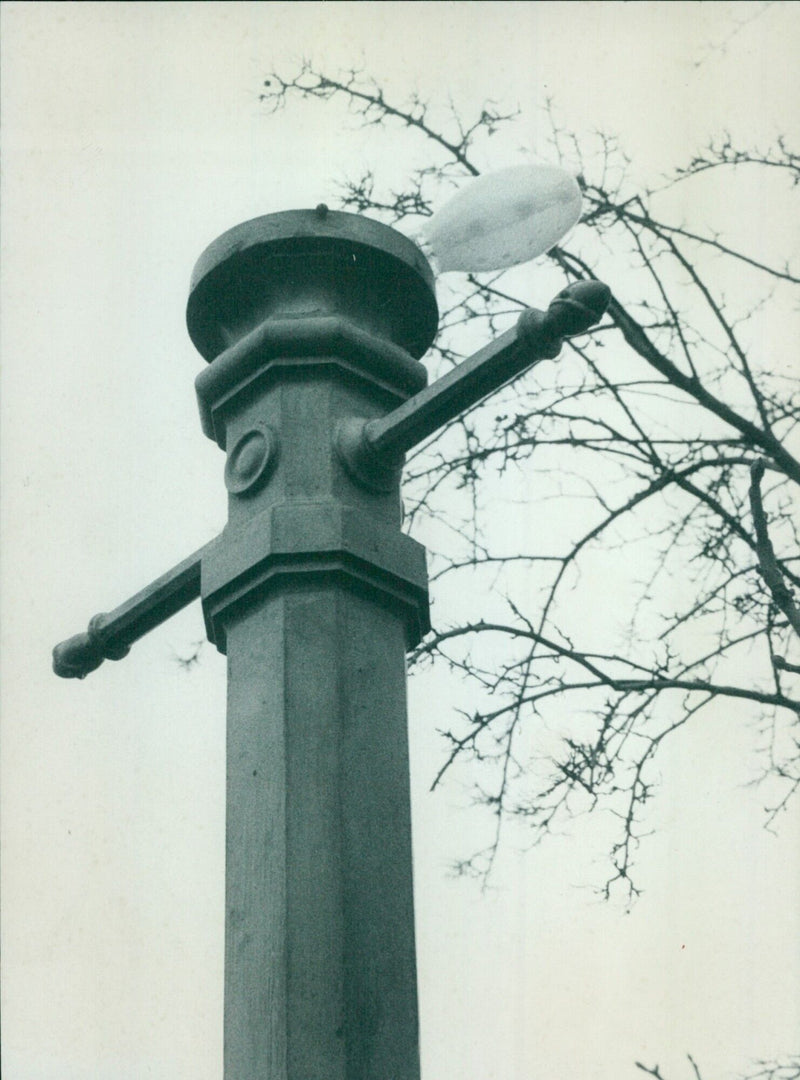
x: 296, y: 543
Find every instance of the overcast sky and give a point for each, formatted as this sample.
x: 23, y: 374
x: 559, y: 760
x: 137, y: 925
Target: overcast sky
x: 132, y: 135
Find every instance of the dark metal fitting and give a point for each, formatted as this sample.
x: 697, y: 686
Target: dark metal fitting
x: 112, y: 650
x: 577, y: 308
x: 76, y: 657
x: 363, y: 462
x: 110, y: 636
x: 538, y: 330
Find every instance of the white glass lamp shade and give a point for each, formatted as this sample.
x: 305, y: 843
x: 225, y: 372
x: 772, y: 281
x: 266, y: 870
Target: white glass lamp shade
x: 504, y: 218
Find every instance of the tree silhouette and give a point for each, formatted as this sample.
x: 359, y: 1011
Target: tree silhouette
x: 787, y: 1068
x: 654, y: 458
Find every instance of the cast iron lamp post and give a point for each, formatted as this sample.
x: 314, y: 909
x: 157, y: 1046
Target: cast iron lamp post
x: 313, y: 324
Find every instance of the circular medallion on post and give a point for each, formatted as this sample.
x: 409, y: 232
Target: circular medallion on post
x: 250, y: 461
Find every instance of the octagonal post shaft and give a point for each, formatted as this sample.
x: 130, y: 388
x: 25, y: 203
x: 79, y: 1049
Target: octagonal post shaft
x: 308, y: 319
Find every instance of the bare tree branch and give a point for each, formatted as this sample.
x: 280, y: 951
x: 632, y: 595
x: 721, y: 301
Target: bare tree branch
x: 643, y: 438
x: 770, y: 570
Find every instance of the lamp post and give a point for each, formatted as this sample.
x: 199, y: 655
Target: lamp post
x: 313, y: 324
